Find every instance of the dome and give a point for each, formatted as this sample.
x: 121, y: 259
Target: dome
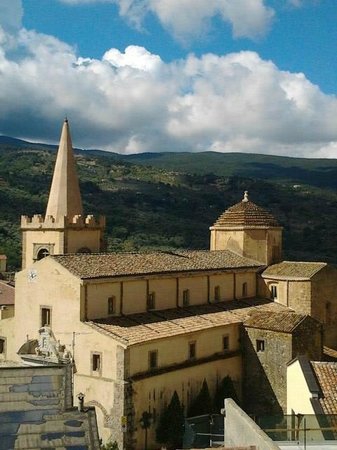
x: 246, y: 213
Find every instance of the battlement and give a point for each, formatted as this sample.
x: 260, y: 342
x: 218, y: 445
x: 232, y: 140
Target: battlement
x: 38, y: 221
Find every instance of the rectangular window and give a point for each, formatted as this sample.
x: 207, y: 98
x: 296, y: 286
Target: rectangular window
x: 244, y: 290
x: 151, y: 300
x: 96, y: 362
x: 225, y: 343
x: 192, y: 350
x: 45, y: 317
x: 2, y: 346
x: 186, y: 297
x: 217, y: 293
x: 259, y: 345
x: 273, y: 291
x: 111, y: 305
x: 153, y: 359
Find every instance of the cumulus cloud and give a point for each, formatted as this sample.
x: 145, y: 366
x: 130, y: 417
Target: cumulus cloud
x: 187, y: 19
x: 132, y: 101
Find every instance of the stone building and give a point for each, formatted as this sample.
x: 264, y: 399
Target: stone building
x: 139, y: 326
x: 270, y: 341
x: 308, y: 288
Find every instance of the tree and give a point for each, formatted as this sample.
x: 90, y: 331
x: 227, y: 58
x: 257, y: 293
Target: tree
x: 225, y: 389
x: 110, y: 446
x: 202, y: 404
x: 170, y: 430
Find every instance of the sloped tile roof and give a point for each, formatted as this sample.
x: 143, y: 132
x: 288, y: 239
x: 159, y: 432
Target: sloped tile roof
x: 136, y: 328
x: 246, y: 213
x: 295, y: 270
x: 7, y: 293
x: 326, y: 373
x: 126, y: 264
x: 283, y: 321
x: 330, y: 354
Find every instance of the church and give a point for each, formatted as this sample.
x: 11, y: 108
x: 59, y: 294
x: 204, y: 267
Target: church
x: 139, y: 326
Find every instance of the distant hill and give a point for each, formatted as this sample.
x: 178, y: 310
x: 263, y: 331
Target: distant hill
x: 169, y: 200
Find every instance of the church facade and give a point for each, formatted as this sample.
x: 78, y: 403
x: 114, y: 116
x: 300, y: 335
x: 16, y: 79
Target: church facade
x: 139, y: 326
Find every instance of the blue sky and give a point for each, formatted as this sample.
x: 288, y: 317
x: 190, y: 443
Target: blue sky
x: 172, y: 75
x: 300, y: 39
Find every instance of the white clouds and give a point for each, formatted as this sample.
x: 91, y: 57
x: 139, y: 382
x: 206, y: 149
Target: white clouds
x: 187, y: 19
x: 135, y: 57
x: 132, y: 101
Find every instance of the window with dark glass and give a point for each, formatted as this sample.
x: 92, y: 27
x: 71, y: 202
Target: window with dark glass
x: 96, y: 362
x: 45, y: 317
x: 273, y: 291
x: 186, y: 297
x: 192, y: 350
x: 153, y: 359
x: 225, y: 343
x: 111, y: 305
x: 2, y: 345
x: 151, y: 300
x: 217, y: 293
x: 244, y: 290
x: 260, y: 345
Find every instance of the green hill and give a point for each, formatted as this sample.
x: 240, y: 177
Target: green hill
x: 166, y: 201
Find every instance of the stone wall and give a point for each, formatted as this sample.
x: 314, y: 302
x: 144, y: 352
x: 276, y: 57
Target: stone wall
x: 264, y: 379
x: 265, y: 371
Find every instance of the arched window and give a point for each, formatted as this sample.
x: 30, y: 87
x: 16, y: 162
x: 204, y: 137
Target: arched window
x: 42, y: 253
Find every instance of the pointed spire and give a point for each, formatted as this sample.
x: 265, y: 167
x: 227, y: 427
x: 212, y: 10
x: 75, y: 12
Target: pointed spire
x: 65, y: 196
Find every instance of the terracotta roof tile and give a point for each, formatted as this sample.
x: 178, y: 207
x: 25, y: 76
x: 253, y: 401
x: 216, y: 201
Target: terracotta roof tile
x: 246, y: 213
x: 283, y: 321
x: 7, y: 292
x: 326, y: 373
x: 293, y: 270
x: 125, y: 264
x: 329, y: 353
x: 136, y: 328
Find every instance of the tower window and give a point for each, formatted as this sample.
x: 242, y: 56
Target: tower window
x: 244, y: 289
x: 111, y: 305
x: 217, y: 293
x: 42, y: 253
x: 273, y: 291
x: 96, y: 362
x: 153, y: 359
x: 45, y: 317
x: 151, y: 300
x: 186, y: 297
x: 192, y: 350
x: 260, y: 345
x: 2, y: 345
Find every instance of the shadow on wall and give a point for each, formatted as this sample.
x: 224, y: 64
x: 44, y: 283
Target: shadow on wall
x: 258, y: 395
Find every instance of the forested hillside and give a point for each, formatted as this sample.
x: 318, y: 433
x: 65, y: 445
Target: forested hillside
x: 155, y: 201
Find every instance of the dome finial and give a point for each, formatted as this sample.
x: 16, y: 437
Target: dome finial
x: 245, y: 197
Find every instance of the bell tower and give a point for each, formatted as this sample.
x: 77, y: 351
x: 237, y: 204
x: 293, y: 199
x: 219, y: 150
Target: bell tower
x: 63, y: 229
